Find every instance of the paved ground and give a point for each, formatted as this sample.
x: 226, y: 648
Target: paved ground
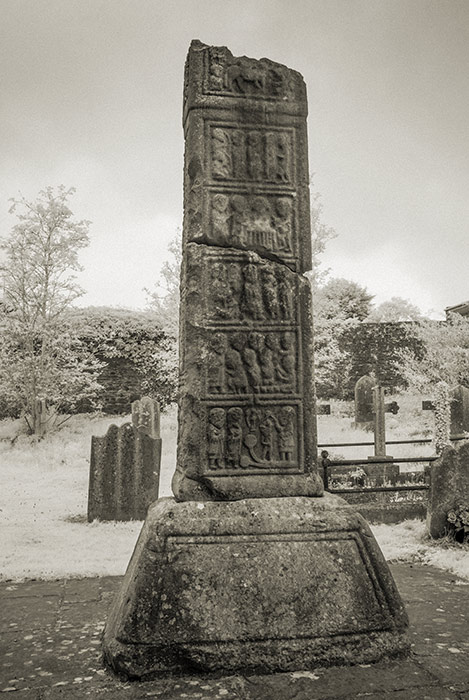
x: 50, y: 649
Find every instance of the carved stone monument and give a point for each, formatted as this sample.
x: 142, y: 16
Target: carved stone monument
x: 364, y: 405
x: 125, y: 466
x: 247, y: 423
x: 250, y: 567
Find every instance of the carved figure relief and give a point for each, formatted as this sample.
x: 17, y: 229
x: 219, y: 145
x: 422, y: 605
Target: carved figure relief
x: 216, y: 383
x: 252, y: 154
x: 216, y: 438
x: 221, y: 154
x: 220, y: 217
x: 246, y: 77
x: 252, y: 295
x: 255, y: 437
x: 242, y: 363
x: 236, y: 377
x: 248, y: 292
x: 250, y: 357
x: 255, y: 156
x: 269, y: 289
x: 285, y: 295
x: 234, y: 438
x: 254, y: 222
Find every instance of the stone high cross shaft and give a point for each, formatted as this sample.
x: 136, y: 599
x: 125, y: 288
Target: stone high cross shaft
x: 251, y: 567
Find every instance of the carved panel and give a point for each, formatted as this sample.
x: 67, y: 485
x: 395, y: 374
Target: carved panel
x: 241, y: 291
x: 262, y: 222
x: 246, y: 362
x: 252, y: 437
x: 251, y: 154
x: 244, y: 77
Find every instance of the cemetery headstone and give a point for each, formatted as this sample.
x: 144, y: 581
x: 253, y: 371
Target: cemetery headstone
x: 125, y: 466
x: 364, y: 415
x: 460, y: 410
x: 250, y: 567
x: 449, y: 488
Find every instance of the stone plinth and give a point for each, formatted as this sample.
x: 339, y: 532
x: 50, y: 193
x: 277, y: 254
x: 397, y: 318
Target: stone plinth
x: 258, y: 585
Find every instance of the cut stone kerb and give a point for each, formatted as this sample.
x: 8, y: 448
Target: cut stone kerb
x: 247, y: 423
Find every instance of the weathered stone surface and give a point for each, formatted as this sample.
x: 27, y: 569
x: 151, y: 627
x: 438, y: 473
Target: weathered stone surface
x: 449, y: 487
x: 460, y: 410
x: 243, y: 571
x: 364, y: 400
x: 125, y: 467
x: 265, y: 584
x: 246, y: 411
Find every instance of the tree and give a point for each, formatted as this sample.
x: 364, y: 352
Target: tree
x: 443, y: 365
x: 164, y: 300
x: 338, y: 306
x: 320, y: 235
x: 395, y: 309
x: 344, y: 299
x: 40, y: 359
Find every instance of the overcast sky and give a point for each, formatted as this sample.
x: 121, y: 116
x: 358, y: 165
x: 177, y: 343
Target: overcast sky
x: 91, y: 96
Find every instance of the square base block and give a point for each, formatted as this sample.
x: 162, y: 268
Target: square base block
x: 256, y: 585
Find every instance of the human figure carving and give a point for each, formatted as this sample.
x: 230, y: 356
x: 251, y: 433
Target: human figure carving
x: 221, y: 154
x: 216, y: 438
x: 270, y: 293
x: 287, y: 363
x: 219, y: 290
x: 216, y: 76
x: 220, y: 218
x: 255, y: 155
x: 251, y: 362
x: 252, y: 293
x: 236, y: 377
x: 283, y: 225
x: 238, y: 219
x: 282, y: 156
x: 286, y: 433
x: 235, y: 284
x: 267, y: 362
x: 216, y: 368
x: 285, y: 295
x: 234, y: 438
x: 266, y: 431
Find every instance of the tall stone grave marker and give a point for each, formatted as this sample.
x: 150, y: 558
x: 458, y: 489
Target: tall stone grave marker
x: 250, y: 567
x: 364, y: 405
x: 125, y: 466
x: 460, y: 410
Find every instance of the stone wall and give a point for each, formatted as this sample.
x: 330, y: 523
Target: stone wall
x: 373, y: 348
x: 122, y: 385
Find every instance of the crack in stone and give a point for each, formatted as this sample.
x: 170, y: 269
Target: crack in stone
x: 270, y: 257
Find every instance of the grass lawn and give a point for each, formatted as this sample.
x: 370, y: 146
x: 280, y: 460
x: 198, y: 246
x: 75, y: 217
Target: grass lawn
x: 44, y: 490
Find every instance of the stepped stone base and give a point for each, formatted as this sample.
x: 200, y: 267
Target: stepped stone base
x: 257, y: 585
